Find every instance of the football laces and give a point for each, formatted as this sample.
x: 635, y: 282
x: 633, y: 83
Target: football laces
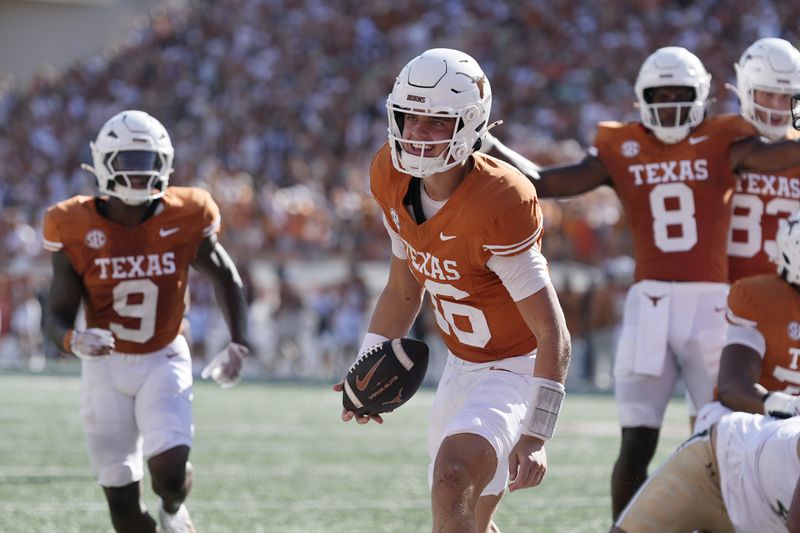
x: 364, y: 354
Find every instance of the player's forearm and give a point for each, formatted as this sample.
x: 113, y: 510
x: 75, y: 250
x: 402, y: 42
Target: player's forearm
x: 56, y: 327
x: 747, y: 397
x: 233, y: 304
x: 499, y: 150
x: 772, y: 156
x: 395, y: 312
x: 542, y: 312
x: 552, y: 356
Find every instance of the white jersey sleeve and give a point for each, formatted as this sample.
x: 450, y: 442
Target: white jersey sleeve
x: 522, y: 274
x: 398, y: 247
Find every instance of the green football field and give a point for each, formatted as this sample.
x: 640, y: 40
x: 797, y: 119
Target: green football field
x: 275, y: 457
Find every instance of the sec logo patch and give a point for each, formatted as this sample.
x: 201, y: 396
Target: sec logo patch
x: 794, y: 331
x: 95, y: 239
x: 630, y: 148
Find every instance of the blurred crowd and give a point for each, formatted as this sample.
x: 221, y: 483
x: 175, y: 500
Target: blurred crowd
x: 277, y: 106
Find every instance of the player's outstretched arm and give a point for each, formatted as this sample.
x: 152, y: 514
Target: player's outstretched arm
x: 495, y: 148
x: 573, y: 179
x: 214, y: 262
x: 757, y: 154
x: 737, y: 381
x: 556, y: 181
x: 542, y: 312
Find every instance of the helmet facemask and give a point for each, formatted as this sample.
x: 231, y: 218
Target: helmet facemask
x: 134, y: 176
x: 132, y: 158
x: 463, y: 141
x: 796, y: 111
x: 788, y: 243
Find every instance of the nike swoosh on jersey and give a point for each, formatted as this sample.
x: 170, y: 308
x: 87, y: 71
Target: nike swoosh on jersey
x: 361, y: 384
x: 697, y: 140
x: 446, y: 237
x: 167, y: 232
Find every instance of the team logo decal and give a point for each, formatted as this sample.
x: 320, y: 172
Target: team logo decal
x: 630, y: 148
x: 95, y: 239
x: 395, y: 218
x: 794, y: 330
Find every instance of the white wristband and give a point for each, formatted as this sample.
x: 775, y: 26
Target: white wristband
x: 546, y: 401
x: 370, y: 340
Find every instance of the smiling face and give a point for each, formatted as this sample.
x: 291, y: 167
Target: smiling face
x: 433, y: 134
x: 772, y: 108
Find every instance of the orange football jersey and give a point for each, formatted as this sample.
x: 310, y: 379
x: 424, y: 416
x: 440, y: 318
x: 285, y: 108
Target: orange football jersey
x: 774, y: 306
x: 493, y: 211
x: 760, y: 201
x: 134, y: 278
x: 677, y: 197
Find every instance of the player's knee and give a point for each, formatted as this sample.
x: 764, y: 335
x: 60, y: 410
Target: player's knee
x: 451, y: 477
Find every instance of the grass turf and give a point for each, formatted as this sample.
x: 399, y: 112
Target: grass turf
x: 275, y: 457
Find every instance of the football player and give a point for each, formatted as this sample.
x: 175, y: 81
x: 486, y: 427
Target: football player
x: 743, y: 474
x: 752, y: 368
x: 767, y: 75
x: 759, y: 370
x: 467, y: 229
x: 125, y: 254
x: 674, y: 172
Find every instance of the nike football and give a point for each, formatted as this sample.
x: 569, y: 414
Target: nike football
x: 384, y: 377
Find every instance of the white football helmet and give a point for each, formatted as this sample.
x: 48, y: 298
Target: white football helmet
x: 131, y: 146
x: 788, y: 241
x: 769, y: 65
x: 444, y: 83
x: 672, y: 66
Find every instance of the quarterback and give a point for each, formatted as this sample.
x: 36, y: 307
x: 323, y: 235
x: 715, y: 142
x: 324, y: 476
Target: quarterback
x: 467, y: 229
x: 124, y: 256
x: 675, y: 172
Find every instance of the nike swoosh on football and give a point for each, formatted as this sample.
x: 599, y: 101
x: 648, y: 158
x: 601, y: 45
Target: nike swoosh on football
x: 446, y: 237
x: 697, y: 140
x: 361, y: 384
x: 167, y: 232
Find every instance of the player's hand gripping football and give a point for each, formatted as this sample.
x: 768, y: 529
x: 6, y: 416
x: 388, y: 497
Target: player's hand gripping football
x: 527, y: 463
x: 347, y: 416
x: 226, y: 367
x: 91, y: 344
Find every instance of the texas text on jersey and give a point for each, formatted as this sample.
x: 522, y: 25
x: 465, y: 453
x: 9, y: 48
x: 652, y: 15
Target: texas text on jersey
x: 448, y: 254
x: 676, y: 196
x: 138, y: 296
x: 760, y: 201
